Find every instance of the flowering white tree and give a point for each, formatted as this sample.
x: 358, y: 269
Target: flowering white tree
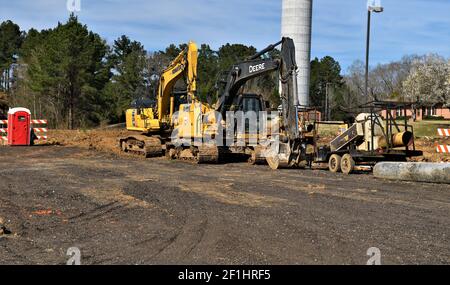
x: 429, y: 81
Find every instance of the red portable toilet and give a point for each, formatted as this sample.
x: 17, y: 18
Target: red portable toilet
x: 19, y: 126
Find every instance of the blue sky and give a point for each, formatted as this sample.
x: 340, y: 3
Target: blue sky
x: 339, y: 27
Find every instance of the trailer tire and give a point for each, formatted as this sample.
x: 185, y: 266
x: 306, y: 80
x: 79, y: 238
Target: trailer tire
x: 347, y: 164
x: 334, y: 164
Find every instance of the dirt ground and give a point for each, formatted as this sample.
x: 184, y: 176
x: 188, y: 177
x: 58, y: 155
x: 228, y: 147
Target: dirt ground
x: 122, y: 210
x: 106, y: 141
x: 99, y: 140
x: 428, y: 146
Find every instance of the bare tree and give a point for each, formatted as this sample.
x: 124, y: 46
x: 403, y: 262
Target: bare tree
x: 355, y: 82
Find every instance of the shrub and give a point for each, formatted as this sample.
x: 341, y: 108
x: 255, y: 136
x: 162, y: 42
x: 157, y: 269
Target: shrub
x: 402, y: 118
x: 433, y: 118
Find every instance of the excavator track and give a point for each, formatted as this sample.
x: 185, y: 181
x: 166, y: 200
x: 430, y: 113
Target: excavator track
x: 141, y: 145
x: 208, y: 155
x: 200, y: 155
x: 257, y: 156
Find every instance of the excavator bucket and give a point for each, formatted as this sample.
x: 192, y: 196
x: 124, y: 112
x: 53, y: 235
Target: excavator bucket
x: 289, y: 94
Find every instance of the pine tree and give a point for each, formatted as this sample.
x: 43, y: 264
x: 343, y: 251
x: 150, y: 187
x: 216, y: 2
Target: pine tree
x: 68, y: 67
x: 10, y: 41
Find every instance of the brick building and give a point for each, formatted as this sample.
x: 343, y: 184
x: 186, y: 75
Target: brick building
x: 422, y: 112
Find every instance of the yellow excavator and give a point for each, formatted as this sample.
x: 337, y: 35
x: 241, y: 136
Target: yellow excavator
x: 191, y: 131
x: 150, y: 128
x: 208, y: 126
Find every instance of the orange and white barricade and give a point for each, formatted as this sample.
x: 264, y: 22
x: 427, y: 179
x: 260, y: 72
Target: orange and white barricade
x: 444, y: 132
x: 443, y: 148
x: 3, y: 132
x: 40, y: 129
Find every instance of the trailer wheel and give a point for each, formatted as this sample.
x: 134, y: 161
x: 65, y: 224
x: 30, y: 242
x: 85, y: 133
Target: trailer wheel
x: 334, y: 164
x: 347, y: 164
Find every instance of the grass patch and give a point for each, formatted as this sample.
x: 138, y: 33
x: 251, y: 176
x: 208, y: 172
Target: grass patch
x: 328, y: 130
x: 429, y: 128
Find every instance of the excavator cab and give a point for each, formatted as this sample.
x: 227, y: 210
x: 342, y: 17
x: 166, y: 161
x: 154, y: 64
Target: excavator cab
x: 250, y: 105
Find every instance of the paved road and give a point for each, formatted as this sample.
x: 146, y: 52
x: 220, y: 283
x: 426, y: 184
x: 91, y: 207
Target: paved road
x: 121, y: 210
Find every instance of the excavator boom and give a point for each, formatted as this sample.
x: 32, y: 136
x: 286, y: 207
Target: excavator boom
x: 239, y: 75
x: 254, y: 67
x: 152, y: 126
x: 184, y: 63
x: 289, y: 95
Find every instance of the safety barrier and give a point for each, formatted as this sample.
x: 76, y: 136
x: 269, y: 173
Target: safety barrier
x: 41, y: 132
x: 444, y: 132
x: 3, y: 132
x: 443, y: 148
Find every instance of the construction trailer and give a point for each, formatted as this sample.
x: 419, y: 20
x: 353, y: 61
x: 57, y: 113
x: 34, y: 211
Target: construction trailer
x: 369, y: 140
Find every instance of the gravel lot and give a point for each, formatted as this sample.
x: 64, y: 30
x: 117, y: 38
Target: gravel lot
x: 122, y: 210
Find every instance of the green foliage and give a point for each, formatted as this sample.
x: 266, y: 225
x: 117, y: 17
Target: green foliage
x: 433, y: 118
x: 341, y: 102
x: 32, y: 39
x: 3, y: 105
x: 207, y: 69
x: 172, y: 51
x: 69, y: 75
x: 402, y: 118
x: 428, y: 128
x: 266, y: 85
x: 67, y: 66
x: 128, y: 62
x: 324, y: 71
x: 230, y: 54
x: 10, y: 41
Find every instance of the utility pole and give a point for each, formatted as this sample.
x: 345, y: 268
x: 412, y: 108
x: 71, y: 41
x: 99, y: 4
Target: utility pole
x: 366, y: 82
x: 327, y: 102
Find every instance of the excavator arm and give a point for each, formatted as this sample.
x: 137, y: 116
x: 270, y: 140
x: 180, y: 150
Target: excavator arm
x: 289, y: 92
x: 239, y: 75
x: 184, y: 64
x: 154, y: 124
x: 254, y: 67
x: 289, y: 149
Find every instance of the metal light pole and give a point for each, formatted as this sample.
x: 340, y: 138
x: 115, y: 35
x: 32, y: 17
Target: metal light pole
x: 371, y: 7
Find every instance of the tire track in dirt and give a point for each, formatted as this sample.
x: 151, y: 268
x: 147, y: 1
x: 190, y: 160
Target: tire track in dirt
x: 188, y: 222
x: 91, y: 212
x: 153, y: 211
x: 189, y: 237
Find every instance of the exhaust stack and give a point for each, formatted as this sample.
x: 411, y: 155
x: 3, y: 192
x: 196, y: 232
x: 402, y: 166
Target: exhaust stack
x: 297, y: 24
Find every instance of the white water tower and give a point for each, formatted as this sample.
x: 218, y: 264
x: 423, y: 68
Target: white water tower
x: 297, y: 24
